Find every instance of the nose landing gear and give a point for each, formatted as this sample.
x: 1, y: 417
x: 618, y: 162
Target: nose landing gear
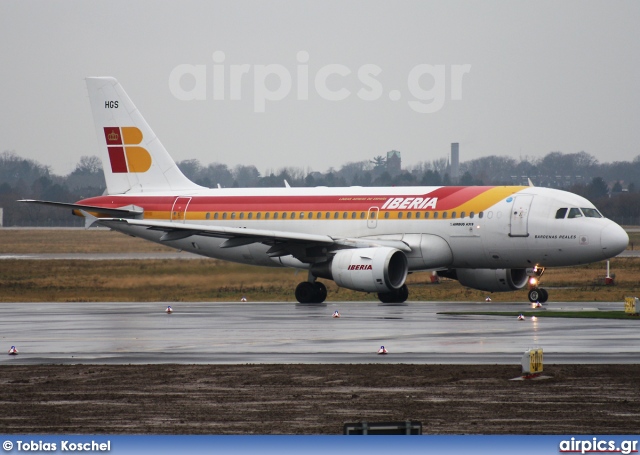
x: 538, y: 295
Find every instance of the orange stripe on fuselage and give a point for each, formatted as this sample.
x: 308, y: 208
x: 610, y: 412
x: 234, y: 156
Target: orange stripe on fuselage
x: 467, y: 199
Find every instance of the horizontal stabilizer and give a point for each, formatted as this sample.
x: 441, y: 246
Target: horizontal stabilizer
x: 130, y: 211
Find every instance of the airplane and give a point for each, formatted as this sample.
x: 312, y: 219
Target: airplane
x: 491, y: 238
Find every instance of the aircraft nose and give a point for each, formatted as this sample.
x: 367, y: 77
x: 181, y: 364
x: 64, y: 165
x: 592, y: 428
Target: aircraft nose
x: 613, y: 240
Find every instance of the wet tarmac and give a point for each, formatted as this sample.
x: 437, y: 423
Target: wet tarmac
x: 238, y: 333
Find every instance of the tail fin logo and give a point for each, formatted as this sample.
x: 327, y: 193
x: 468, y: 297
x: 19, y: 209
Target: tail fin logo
x: 124, y: 153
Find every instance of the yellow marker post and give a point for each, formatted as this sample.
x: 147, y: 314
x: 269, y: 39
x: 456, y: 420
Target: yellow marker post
x: 631, y: 305
x: 532, y: 362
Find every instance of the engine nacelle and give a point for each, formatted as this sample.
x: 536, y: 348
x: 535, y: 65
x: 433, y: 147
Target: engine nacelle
x: 498, y: 280
x: 379, y: 269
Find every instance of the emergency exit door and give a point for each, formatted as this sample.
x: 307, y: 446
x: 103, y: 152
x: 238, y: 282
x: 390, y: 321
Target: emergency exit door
x: 179, y: 210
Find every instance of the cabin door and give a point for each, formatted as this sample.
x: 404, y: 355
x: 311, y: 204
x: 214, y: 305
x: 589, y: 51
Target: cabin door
x: 520, y: 215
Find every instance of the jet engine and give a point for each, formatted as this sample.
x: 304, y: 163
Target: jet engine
x: 491, y: 280
x: 379, y: 269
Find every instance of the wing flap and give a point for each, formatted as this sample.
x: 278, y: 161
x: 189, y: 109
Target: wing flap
x: 260, y: 235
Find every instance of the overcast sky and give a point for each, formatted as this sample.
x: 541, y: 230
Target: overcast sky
x: 337, y: 81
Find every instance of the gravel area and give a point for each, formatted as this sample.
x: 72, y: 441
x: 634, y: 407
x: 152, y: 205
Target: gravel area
x: 316, y: 399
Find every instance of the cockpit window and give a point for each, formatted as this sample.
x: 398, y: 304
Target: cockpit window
x: 561, y: 213
x: 574, y: 213
x: 591, y: 213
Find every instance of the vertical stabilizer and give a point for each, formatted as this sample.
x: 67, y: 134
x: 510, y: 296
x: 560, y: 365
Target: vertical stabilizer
x: 133, y: 158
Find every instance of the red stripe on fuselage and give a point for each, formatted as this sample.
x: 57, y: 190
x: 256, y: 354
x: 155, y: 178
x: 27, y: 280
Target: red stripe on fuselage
x: 448, y: 198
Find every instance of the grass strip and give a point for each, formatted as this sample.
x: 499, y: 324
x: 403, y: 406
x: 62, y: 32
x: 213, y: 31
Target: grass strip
x: 588, y: 314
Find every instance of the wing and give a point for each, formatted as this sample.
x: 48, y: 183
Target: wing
x: 305, y: 247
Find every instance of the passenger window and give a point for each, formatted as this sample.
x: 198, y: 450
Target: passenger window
x: 386, y: 214
x: 353, y: 215
x: 258, y: 215
x: 266, y: 216
x: 417, y: 214
x: 327, y: 215
x: 344, y: 215
x: 591, y: 213
x: 453, y: 214
x: 480, y: 215
x: 574, y: 213
x: 215, y: 216
x: 224, y: 216
x: 399, y: 215
x: 275, y: 215
x: 408, y: 215
x: 435, y: 215
x: 471, y: 215
x: 318, y: 215
x: 426, y: 215
x: 250, y: 215
x: 284, y: 215
x: 336, y: 215
x: 561, y: 213
x: 293, y: 215
x: 233, y: 216
x: 444, y: 215
x: 310, y: 215
x: 462, y: 214
x: 301, y: 215
x: 208, y: 215
x: 362, y: 215
x: 242, y: 215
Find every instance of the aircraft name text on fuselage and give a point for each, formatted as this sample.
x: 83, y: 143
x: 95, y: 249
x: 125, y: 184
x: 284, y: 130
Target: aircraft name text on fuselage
x: 410, y: 203
x: 556, y: 236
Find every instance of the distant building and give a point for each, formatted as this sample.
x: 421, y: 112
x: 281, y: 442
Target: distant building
x: 394, y: 162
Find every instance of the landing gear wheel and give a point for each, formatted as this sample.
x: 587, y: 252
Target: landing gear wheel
x: 538, y: 295
x: 396, y: 296
x: 307, y: 292
x: 320, y: 292
x: 544, y: 295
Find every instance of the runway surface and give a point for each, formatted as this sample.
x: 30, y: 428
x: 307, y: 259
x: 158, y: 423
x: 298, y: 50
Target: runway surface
x: 237, y: 333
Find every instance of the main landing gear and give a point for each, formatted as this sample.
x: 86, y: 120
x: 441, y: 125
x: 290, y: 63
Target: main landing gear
x: 311, y: 292
x: 396, y: 296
